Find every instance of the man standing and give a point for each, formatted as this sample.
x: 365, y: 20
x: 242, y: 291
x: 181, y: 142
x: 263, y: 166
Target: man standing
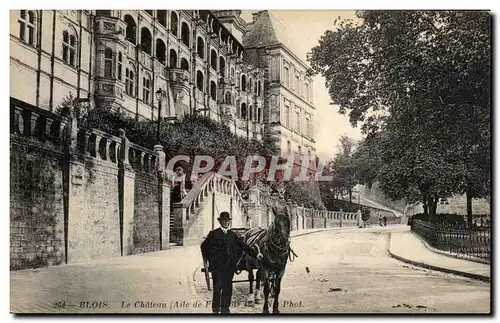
x: 222, y: 248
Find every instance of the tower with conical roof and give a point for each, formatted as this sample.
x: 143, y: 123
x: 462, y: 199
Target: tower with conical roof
x: 288, y: 89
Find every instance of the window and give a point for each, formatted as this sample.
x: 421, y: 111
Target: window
x: 146, y: 88
x: 289, y: 147
x: 108, y: 63
x: 173, y: 58
x: 69, y: 48
x: 162, y: 17
x: 243, y: 112
x: 307, y: 91
x: 250, y: 83
x: 213, y: 59
x: 286, y: 76
x: 184, y: 64
x: 300, y: 151
x: 199, y: 80
x: 222, y: 66
x: 255, y: 88
x: 161, y: 51
x: 259, y: 115
x: 228, y: 98
x: 287, y: 116
x: 297, y: 121
x: 243, y: 83
x: 105, y: 13
x: 120, y: 62
x: 185, y: 34
x: 27, y: 26
x: 297, y: 84
x: 307, y: 130
x: 213, y: 90
x: 174, y: 24
x: 250, y: 110
x: 130, y: 30
x: 200, y: 48
x: 146, y: 40
x: 259, y: 90
x: 129, y: 81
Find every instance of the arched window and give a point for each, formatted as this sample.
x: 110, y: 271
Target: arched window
x: 243, y: 83
x: 69, y: 47
x: 213, y: 59
x: 146, y: 40
x: 130, y: 80
x: 27, y: 26
x: 185, y: 34
x: 174, y: 24
x: 200, y: 48
x: 173, y: 58
x: 222, y: 66
x: 184, y: 64
x: 232, y: 71
x: 250, y: 83
x: 259, y: 115
x: 161, y: 51
x: 146, y: 88
x: 213, y: 90
x: 108, y: 63
x: 105, y: 13
x: 255, y: 88
x: 199, y: 80
x: 250, y: 110
x: 258, y: 88
x: 162, y: 17
x: 120, y: 64
x: 130, y: 31
x: 227, y: 99
x: 243, y: 113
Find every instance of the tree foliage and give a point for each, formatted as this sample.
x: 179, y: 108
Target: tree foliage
x: 418, y: 82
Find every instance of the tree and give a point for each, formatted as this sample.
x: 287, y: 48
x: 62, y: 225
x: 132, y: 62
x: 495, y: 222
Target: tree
x: 422, y: 78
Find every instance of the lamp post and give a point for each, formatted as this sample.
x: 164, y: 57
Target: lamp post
x: 160, y: 94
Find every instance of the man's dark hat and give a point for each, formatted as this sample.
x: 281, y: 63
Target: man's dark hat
x: 224, y: 216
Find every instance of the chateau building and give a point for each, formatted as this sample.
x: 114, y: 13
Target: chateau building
x: 288, y: 89
x: 121, y: 58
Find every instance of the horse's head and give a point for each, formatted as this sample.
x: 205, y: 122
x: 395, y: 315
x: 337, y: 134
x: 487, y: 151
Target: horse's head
x: 282, y: 224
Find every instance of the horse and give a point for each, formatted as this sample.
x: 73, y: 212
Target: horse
x: 274, y: 244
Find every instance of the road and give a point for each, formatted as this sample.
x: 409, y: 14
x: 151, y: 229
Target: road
x: 350, y: 271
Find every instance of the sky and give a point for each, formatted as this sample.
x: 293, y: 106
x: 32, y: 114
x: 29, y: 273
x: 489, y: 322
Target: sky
x: 305, y: 27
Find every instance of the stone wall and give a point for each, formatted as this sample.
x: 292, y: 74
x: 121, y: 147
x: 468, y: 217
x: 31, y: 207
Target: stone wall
x: 146, y: 234
x: 36, y: 203
x: 81, y: 194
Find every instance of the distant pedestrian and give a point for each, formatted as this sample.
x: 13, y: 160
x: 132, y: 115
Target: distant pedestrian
x: 385, y: 220
x: 222, y: 248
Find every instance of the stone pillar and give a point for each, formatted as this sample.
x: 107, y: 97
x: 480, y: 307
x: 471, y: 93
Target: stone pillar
x: 358, y: 217
x: 164, y: 200
x: 126, y: 184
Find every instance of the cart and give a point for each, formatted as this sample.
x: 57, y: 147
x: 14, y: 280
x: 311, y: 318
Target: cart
x: 240, y: 267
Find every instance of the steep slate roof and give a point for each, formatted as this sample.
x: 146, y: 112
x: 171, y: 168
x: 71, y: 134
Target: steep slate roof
x: 267, y: 30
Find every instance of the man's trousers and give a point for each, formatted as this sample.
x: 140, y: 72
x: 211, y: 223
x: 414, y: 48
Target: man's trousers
x: 223, y: 290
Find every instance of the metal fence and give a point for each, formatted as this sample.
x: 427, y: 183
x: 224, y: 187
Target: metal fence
x: 472, y: 242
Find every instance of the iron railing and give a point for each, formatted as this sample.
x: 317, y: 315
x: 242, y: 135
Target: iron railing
x: 457, y: 239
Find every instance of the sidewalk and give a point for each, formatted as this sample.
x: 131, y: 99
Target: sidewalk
x: 161, y: 278
x: 155, y: 282
x: 407, y: 247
